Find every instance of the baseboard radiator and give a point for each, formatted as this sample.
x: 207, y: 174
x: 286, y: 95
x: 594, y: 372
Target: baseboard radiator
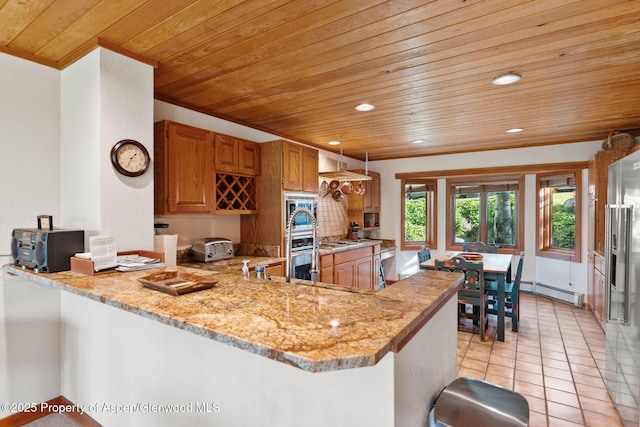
x: 537, y: 288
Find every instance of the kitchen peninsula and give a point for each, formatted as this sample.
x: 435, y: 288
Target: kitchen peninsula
x: 265, y: 352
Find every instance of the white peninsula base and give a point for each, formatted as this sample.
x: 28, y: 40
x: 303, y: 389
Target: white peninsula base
x: 127, y: 370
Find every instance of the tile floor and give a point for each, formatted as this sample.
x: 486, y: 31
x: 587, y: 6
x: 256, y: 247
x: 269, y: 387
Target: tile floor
x: 556, y: 361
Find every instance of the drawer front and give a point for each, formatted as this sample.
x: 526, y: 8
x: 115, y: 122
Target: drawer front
x: 598, y: 264
x: 326, y: 261
x: 346, y: 256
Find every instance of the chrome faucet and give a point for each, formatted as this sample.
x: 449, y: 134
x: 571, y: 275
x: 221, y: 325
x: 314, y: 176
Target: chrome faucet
x: 314, y: 249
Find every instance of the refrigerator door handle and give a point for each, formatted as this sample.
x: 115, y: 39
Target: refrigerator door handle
x: 617, y: 246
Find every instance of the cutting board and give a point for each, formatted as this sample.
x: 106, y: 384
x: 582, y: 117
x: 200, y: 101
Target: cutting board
x: 173, y: 283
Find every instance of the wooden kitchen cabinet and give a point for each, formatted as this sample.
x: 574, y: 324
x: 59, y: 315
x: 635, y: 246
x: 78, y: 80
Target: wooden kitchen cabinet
x: 372, y: 193
x: 365, y: 209
x: 274, y: 270
x: 300, y: 168
x: 326, y: 268
x: 187, y: 179
x: 236, y: 156
x: 283, y: 164
x: 354, y: 268
x: 183, y: 169
x: 598, y: 299
x: 598, y: 183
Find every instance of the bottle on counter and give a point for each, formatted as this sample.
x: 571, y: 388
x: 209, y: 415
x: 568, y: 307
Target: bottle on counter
x: 245, y: 267
x: 260, y: 272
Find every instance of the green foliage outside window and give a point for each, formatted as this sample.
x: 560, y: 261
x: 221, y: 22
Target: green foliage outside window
x: 415, y: 220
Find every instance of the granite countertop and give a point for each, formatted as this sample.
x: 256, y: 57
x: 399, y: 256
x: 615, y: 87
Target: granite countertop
x: 315, y: 328
x: 235, y: 263
x: 232, y: 264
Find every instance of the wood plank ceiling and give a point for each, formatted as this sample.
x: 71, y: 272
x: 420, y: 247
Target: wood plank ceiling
x: 297, y: 68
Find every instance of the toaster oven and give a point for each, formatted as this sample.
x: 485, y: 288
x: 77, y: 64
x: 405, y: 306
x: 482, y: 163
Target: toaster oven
x: 211, y: 249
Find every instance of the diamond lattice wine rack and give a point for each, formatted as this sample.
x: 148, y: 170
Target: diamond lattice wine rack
x: 235, y: 194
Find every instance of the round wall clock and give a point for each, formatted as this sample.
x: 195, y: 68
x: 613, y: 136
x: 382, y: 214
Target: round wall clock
x: 130, y: 158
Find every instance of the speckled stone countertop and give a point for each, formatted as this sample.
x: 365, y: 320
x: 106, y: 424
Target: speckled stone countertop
x: 315, y: 328
x: 235, y: 263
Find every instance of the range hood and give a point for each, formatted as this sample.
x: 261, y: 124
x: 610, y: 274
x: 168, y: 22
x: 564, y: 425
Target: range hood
x: 333, y: 170
x: 344, y: 176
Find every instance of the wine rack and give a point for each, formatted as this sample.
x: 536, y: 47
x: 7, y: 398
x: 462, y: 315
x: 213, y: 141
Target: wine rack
x: 236, y: 194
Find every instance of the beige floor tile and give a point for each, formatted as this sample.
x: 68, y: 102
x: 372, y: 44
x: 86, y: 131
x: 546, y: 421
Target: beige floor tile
x: 499, y: 380
x: 502, y: 361
x: 558, y: 422
x: 534, y: 368
x: 478, y: 354
x: 594, y: 419
x: 549, y: 354
x: 529, y: 389
x: 599, y: 393
x: 557, y: 384
x: 503, y: 371
x: 536, y: 404
x: 537, y: 419
x: 529, y: 377
x: 564, y: 412
x: 563, y: 374
x: 478, y: 365
x: 598, y: 406
x: 562, y: 397
x: 470, y: 373
x: 589, y: 380
x: 556, y: 364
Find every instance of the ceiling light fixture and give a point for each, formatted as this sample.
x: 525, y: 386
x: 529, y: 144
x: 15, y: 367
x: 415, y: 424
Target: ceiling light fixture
x: 419, y: 141
x: 506, y: 79
x: 365, y: 107
x: 515, y: 130
x: 333, y: 142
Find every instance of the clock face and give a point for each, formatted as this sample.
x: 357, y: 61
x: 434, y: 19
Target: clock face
x: 130, y: 158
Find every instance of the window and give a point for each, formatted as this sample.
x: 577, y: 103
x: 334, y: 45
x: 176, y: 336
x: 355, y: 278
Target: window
x: 487, y: 209
x: 418, y: 213
x: 558, y: 215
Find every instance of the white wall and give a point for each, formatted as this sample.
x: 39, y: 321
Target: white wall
x: 106, y: 97
x: 29, y: 147
x: 552, y: 272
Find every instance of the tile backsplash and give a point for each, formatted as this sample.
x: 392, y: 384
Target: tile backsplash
x: 333, y: 219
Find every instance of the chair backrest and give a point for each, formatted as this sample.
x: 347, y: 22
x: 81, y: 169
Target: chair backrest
x: 479, y: 247
x: 424, y: 254
x: 473, y: 271
x: 516, y: 281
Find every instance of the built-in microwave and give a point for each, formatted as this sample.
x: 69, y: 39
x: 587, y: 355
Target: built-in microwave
x: 301, y: 222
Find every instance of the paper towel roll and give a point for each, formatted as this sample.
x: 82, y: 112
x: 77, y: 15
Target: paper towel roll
x: 167, y: 244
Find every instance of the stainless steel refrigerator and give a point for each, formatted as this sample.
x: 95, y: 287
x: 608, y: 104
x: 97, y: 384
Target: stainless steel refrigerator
x: 622, y: 270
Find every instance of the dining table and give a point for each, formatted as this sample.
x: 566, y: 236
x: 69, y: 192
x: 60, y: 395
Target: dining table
x: 497, y: 268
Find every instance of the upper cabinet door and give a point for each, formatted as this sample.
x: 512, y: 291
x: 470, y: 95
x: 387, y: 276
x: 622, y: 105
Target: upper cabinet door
x: 190, y: 177
x: 372, y: 193
x: 300, y: 168
x: 226, y: 153
x: 309, y: 170
x: 249, y: 157
x: 292, y: 167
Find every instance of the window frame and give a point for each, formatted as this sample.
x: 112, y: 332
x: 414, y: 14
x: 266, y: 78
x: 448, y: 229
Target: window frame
x: 543, y: 218
x: 451, y: 245
x: 432, y: 231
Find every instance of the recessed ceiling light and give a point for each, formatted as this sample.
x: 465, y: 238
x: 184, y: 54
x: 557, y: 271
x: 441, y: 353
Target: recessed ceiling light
x: 506, y: 79
x: 419, y: 141
x: 333, y: 142
x: 514, y: 130
x: 365, y: 107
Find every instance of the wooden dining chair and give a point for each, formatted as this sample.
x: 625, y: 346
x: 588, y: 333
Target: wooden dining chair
x: 512, y: 296
x: 472, y: 291
x: 424, y: 254
x: 479, y: 247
